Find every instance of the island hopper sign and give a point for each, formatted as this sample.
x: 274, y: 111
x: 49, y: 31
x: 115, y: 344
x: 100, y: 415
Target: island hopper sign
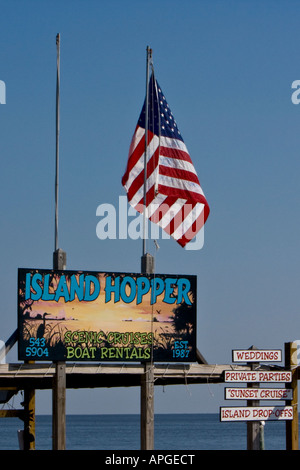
x: 100, y: 316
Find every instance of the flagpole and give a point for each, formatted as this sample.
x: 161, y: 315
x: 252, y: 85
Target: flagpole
x: 59, y: 256
x: 147, y: 267
x: 57, y: 138
x: 59, y: 262
x: 149, y: 52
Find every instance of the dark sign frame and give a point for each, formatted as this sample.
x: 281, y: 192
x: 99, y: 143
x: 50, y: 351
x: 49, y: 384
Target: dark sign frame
x: 81, y: 316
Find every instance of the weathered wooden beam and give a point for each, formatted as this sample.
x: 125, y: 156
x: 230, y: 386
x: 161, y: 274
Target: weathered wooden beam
x: 292, y: 426
x: 147, y: 379
x: 29, y: 419
x: 12, y: 414
x: 59, y: 406
x: 39, y: 376
x: 79, y: 375
x: 147, y: 408
x: 253, y: 427
x: 59, y: 378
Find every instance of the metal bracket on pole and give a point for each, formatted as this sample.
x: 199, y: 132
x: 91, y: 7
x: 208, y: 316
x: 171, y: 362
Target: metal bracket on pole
x: 59, y: 259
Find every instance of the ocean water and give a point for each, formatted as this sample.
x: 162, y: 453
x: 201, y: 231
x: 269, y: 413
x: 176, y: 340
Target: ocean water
x: 122, y: 432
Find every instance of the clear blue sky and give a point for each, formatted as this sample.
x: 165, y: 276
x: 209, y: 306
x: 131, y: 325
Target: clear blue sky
x: 226, y: 69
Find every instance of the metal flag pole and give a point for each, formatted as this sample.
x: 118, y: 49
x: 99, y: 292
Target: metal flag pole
x: 147, y: 267
x: 59, y: 256
x: 149, y: 54
x: 147, y: 262
x: 59, y: 262
x: 57, y: 139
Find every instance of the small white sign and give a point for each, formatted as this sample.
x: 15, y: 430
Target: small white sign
x: 258, y: 394
x: 256, y: 413
x: 257, y: 376
x: 257, y: 355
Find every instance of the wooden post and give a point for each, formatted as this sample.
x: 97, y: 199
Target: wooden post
x: 253, y: 427
x: 292, y: 433
x: 29, y: 419
x: 147, y: 382
x: 59, y: 407
x: 147, y: 408
x: 59, y: 381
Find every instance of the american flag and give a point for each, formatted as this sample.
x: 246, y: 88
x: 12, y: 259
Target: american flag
x: 174, y: 198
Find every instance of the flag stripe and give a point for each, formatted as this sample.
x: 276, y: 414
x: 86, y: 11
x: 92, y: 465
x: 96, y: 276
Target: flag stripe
x: 179, y: 174
x: 182, y: 194
x: 175, y: 153
x: 137, y: 149
x: 136, y: 186
x: 176, y: 223
x: 193, y: 230
x: 189, y: 222
x: 136, y: 161
x: 176, y: 163
x: 185, y: 189
x: 167, y: 211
